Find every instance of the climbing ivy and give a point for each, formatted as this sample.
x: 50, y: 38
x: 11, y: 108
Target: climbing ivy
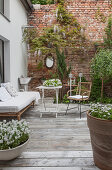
x: 61, y: 2
x: 100, y: 16
x: 66, y: 33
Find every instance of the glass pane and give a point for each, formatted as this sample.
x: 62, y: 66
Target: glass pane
x: 2, y: 6
x: 1, y: 61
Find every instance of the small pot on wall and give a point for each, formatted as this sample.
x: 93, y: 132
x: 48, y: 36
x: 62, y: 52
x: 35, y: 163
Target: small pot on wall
x: 101, y: 140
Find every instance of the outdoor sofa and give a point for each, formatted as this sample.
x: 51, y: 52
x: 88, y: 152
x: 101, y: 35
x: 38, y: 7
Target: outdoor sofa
x: 15, y: 106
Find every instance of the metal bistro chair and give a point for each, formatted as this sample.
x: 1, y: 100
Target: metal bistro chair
x: 82, y: 94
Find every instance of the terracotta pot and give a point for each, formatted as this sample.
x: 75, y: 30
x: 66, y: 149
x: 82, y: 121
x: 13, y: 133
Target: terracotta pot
x: 10, y: 154
x: 101, y: 140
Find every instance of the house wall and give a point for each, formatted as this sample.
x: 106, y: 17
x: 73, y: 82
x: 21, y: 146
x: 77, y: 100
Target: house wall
x: 15, y: 51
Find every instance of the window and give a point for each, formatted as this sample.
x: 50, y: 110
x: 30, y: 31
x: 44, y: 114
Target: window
x: 2, y: 6
x: 1, y: 61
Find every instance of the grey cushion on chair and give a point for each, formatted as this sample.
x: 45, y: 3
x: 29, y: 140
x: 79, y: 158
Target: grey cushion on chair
x: 78, y: 97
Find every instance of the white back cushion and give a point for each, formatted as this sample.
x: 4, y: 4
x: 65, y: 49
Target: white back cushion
x: 9, y: 87
x: 4, y: 95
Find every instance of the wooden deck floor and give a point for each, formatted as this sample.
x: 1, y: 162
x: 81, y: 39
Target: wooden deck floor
x: 61, y: 143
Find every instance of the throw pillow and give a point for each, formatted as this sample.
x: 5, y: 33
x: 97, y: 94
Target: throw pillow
x: 4, y: 95
x: 9, y: 87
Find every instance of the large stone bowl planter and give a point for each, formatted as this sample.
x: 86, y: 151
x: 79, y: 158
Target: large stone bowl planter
x: 101, y: 140
x: 9, y: 154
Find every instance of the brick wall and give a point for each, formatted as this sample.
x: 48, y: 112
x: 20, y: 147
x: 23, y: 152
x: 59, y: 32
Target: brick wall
x: 86, y: 12
x: 91, y: 15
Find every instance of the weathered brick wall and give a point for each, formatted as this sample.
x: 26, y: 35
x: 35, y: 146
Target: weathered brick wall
x: 43, y: 16
x: 86, y: 12
x: 91, y: 15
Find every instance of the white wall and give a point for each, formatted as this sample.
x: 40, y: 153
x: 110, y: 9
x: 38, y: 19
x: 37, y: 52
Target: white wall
x: 15, y: 50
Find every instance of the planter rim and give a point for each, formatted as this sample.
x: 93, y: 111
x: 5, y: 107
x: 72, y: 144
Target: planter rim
x: 15, y: 147
x: 88, y: 114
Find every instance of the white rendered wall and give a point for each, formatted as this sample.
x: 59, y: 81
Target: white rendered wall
x: 15, y: 50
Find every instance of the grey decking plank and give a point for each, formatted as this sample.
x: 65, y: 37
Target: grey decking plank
x: 55, y: 162
x: 49, y: 168
x: 57, y: 154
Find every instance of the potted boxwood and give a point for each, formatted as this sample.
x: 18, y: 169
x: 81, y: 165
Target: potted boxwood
x: 99, y: 120
x: 14, y: 136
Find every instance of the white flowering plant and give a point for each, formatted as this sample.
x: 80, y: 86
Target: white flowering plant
x: 101, y: 111
x: 13, y: 133
x: 52, y: 83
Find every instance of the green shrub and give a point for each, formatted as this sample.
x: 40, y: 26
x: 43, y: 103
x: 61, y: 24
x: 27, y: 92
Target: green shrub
x: 42, y: 2
x: 108, y: 32
x: 101, y: 66
x: 59, y: 101
x: 53, y: 75
x: 65, y: 100
x: 95, y: 90
x: 83, y: 79
x: 40, y: 65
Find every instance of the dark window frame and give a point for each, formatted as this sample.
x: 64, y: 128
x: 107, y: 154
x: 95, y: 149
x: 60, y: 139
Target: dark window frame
x: 3, y: 13
x: 2, y: 59
x: 3, y: 8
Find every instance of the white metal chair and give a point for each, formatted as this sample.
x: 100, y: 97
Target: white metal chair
x: 82, y: 94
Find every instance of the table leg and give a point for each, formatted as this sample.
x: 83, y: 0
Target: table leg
x: 41, y: 115
x: 57, y: 92
x: 43, y: 99
x: 42, y: 95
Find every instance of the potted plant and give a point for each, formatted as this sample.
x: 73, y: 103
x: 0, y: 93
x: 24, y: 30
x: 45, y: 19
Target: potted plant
x: 14, y: 136
x: 52, y: 83
x: 99, y: 120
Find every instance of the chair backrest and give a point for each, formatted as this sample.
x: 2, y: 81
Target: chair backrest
x: 84, y: 87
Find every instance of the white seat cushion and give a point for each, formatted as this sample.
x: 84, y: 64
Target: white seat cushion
x: 37, y: 95
x: 15, y: 104
x: 78, y: 97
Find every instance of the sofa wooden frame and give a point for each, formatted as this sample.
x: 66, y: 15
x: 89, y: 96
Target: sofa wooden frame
x: 17, y: 114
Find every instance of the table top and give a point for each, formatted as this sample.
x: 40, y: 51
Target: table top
x: 51, y: 87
